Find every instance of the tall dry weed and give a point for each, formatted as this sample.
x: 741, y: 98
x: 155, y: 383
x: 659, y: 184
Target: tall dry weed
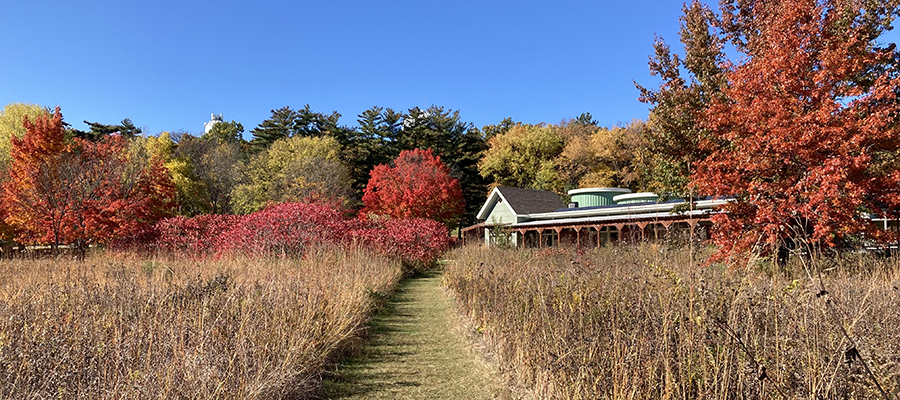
x: 118, y: 327
x: 646, y: 323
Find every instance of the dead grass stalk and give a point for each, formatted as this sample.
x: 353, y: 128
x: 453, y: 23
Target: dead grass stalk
x: 125, y: 327
x: 642, y: 323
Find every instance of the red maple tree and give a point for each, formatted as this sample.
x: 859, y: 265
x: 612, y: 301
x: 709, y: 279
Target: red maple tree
x: 38, y: 151
x: 79, y: 193
x: 416, y: 185
x: 804, y: 138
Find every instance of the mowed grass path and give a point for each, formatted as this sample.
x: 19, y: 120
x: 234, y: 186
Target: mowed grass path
x: 416, y: 352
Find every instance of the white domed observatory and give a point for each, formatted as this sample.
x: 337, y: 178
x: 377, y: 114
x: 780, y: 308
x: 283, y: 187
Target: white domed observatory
x: 214, y: 119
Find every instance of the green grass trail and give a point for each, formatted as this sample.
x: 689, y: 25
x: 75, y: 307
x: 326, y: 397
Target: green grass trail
x: 417, y: 352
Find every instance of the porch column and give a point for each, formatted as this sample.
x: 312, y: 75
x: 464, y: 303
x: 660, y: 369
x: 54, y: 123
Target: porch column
x: 693, y: 223
x: 643, y: 226
x: 668, y: 224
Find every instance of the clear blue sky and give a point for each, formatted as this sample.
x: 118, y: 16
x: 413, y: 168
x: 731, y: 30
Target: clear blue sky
x: 168, y: 64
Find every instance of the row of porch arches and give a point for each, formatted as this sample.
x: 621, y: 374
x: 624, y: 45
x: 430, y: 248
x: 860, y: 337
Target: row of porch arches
x: 599, y: 235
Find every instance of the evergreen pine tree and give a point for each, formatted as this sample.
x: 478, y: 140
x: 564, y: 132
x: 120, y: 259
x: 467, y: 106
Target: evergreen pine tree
x: 97, y: 131
x: 459, y: 144
x: 280, y: 125
x: 226, y: 132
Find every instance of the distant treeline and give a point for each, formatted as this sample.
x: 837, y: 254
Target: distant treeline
x: 297, y: 154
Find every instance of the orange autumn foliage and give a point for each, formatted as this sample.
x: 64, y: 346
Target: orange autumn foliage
x: 81, y: 192
x: 804, y: 136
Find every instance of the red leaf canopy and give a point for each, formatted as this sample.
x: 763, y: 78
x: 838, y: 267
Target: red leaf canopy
x: 416, y: 185
x: 81, y: 192
x: 805, y: 134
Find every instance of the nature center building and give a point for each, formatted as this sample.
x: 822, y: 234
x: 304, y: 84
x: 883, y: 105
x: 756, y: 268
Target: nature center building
x: 594, y: 217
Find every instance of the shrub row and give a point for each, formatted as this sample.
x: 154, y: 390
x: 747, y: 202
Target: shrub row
x: 290, y: 229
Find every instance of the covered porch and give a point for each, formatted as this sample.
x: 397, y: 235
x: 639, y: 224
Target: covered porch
x: 604, y: 233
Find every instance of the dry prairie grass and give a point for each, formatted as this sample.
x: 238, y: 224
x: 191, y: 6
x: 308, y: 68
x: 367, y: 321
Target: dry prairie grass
x: 120, y: 327
x: 642, y: 323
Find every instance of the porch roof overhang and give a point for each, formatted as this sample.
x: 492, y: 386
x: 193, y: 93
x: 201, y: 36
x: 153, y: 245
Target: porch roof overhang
x: 613, y: 219
x: 624, y: 211
x: 474, y: 227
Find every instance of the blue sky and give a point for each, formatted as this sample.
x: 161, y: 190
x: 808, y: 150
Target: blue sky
x: 168, y: 64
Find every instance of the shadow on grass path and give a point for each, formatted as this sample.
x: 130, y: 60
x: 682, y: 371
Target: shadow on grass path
x: 416, y: 352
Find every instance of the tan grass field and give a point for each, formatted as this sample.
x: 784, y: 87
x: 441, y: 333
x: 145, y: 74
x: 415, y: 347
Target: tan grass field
x: 124, y: 327
x: 646, y: 323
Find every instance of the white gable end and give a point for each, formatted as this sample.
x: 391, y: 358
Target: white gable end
x: 496, y: 210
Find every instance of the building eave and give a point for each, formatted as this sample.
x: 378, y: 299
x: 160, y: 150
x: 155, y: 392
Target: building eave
x: 624, y: 211
x: 607, y: 219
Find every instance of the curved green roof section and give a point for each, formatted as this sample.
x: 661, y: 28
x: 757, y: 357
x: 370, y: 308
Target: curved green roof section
x: 631, y: 198
x: 592, y: 197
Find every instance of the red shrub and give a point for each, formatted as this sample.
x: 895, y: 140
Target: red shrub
x: 290, y: 228
x: 417, y: 241
x: 283, y: 229
x: 197, y: 236
x: 194, y: 236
